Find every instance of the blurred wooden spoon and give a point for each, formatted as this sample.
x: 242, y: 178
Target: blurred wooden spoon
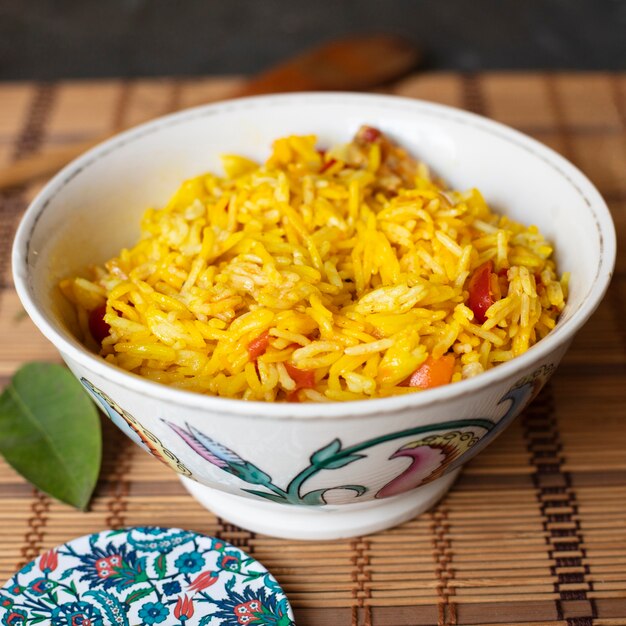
x: 352, y: 63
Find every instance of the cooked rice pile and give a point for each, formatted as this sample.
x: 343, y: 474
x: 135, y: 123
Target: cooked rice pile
x: 337, y: 275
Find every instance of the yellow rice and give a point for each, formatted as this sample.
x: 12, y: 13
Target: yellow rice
x: 357, y: 284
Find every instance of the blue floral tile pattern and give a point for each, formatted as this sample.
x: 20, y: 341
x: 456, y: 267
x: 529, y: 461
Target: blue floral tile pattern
x: 144, y: 575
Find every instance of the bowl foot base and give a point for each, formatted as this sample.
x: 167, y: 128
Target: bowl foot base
x: 327, y: 522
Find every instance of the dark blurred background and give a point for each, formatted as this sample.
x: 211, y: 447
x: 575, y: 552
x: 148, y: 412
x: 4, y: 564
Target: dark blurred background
x: 49, y: 39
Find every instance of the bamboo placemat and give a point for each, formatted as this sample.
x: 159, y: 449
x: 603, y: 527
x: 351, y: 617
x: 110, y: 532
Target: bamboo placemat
x: 534, y: 532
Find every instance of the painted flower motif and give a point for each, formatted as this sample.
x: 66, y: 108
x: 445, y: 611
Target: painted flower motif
x: 517, y: 398
x: 41, y: 586
x: 107, y: 565
x: 219, y: 455
x: 209, y: 449
x: 153, y: 613
x: 134, y: 430
x: 252, y: 607
x: 204, y: 580
x: 171, y: 588
x: 429, y: 459
x: 230, y: 561
x: 184, y: 608
x: 76, y: 614
x: 131, y: 574
x: 425, y: 465
x: 248, y: 612
x: 218, y: 544
x: 14, y: 618
x: 162, y: 543
x: 189, y: 562
x: 114, y: 610
x: 113, y: 579
x: 111, y: 566
x: 48, y: 561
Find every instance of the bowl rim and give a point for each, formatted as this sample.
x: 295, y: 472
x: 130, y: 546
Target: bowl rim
x: 335, y: 409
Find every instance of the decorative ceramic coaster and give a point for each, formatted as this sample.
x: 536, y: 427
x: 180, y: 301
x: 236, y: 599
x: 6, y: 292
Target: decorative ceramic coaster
x: 144, y: 576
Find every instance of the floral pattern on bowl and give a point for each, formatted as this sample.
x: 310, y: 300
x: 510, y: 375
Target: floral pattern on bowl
x: 433, y: 450
x: 134, y: 430
x: 144, y: 575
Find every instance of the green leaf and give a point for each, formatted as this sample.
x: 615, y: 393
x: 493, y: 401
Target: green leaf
x: 250, y: 473
x: 66, y: 574
x: 250, y: 576
x: 330, y: 457
x: 230, y: 584
x: 137, y: 595
x: 160, y: 566
x: 315, y: 497
x: 271, y: 583
x: 268, y: 496
x: 50, y: 432
x: 325, y: 453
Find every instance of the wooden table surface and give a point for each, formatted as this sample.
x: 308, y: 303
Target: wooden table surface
x: 534, y: 532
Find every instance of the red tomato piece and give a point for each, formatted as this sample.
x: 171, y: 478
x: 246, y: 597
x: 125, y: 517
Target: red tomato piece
x: 304, y: 379
x: 259, y: 345
x: 481, y: 295
x: 327, y: 165
x: 432, y: 373
x: 371, y: 134
x: 293, y: 396
x: 97, y: 326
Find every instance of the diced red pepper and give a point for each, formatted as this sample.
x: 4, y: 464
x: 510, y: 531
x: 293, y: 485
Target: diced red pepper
x: 258, y: 346
x: 293, y: 396
x: 371, y: 134
x: 98, y: 328
x: 432, y: 373
x: 481, y: 295
x: 327, y: 165
x: 304, y: 379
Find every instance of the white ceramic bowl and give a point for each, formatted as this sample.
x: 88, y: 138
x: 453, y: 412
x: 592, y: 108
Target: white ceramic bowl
x: 310, y: 470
